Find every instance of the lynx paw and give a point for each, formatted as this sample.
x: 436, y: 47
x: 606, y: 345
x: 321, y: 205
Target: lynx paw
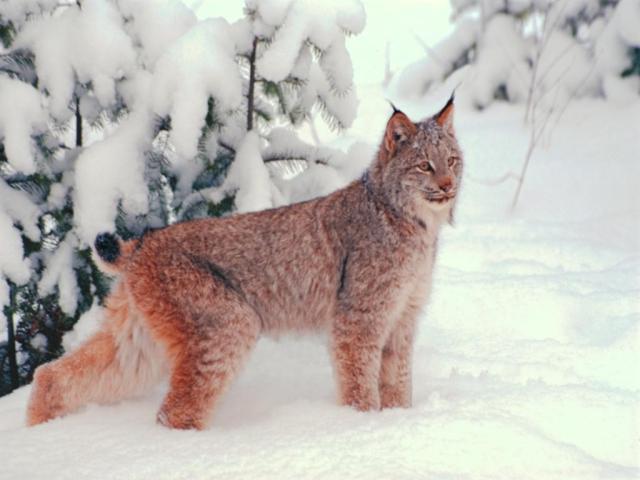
x: 178, y: 419
x: 46, y: 400
x: 362, y: 403
x: 393, y: 397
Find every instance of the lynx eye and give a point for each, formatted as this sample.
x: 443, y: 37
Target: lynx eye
x: 451, y: 161
x: 425, y: 167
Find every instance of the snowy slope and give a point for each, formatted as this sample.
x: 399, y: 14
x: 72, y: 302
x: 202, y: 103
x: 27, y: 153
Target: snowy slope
x: 526, y: 364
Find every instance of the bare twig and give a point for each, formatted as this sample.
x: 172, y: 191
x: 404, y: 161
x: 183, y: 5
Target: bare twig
x: 533, y: 142
x: 545, y: 37
x: 493, y: 181
x: 430, y: 51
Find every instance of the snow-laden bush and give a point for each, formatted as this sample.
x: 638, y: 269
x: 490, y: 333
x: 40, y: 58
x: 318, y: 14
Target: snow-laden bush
x: 125, y: 115
x: 540, y: 52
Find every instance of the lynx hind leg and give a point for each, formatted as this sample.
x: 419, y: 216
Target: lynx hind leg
x: 63, y: 385
x: 116, y: 362
x: 223, y: 335
x: 395, y: 368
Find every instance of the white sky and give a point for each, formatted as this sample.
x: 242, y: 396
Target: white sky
x: 395, y: 21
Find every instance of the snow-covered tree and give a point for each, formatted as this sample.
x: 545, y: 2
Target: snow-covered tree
x: 46, y: 277
x: 125, y: 115
x: 551, y: 49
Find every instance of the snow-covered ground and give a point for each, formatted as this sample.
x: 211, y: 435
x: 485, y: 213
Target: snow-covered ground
x: 526, y: 363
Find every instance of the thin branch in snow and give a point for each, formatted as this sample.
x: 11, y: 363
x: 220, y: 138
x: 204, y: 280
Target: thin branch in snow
x: 226, y: 146
x: 493, y: 181
x: 430, y: 51
x: 533, y: 142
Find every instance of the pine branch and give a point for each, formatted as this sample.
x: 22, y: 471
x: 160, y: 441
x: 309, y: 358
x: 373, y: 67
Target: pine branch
x: 284, y: 157
x: 280, y: 157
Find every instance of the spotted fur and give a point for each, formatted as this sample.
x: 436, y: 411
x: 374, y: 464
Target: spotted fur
x: 193, y: 298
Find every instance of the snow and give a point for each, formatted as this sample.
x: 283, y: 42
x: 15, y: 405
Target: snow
x: 526, y: 361
x: 65, y: 47
x: 338, y: 109
x: 293, y: 27
x: 565, y: 68
x: 59, y: 272
x: 501, y: 57
x: 621, y: 90
x: 21, y: 209
x: 16, y: 11
x: 419, y: 76
x: 527, y: 358
x: 299, y: 21
x: 108, y: 172
x: 618, y: 35
x: 199, y: 65
x: 517, y: 41
x: 17, y: 125
x: 158, y: 27
x: 249, y: 177
x: 13, y: 267
x: 15, y: 209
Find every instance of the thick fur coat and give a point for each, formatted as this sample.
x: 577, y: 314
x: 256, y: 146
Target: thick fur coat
x: 193, y: 298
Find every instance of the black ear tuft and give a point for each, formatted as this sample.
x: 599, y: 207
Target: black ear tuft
x: 395, y: 109
x: 445, y: 116
x: 108, y: 247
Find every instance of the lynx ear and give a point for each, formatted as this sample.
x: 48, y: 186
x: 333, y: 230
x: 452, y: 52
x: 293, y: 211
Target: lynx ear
x: 399, y: 129
x: 444, y: 117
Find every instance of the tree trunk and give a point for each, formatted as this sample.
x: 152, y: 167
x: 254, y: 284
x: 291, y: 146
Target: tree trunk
x: 78, y: 123
x: 252, y: 84
x: 11, y: 340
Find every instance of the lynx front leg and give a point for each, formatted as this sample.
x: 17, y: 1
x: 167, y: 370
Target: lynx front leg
x: 356, y: 352
x: 395, y: 368
x: 205, y: 366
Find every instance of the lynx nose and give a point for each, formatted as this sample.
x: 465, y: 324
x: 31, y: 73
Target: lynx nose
x: 446, y: 184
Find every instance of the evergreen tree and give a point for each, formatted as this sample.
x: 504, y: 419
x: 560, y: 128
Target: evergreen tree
x: 125, y: 118
x: 534, y: 51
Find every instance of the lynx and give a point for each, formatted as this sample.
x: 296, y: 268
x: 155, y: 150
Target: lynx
x: 193, y: 298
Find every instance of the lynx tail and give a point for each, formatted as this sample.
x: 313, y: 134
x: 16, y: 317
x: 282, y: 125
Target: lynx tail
x: 113, y: 253
x: 108, y: 247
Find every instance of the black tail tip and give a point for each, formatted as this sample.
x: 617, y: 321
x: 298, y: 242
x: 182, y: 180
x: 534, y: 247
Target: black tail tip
x: 108, y: 247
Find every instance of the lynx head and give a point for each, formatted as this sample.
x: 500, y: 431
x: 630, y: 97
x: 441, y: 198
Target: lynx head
x: 419, y: 165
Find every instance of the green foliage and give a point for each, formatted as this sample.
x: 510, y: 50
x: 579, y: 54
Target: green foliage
x: 634, y: 62
x: 7, y: 32
x: 39, y: 319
